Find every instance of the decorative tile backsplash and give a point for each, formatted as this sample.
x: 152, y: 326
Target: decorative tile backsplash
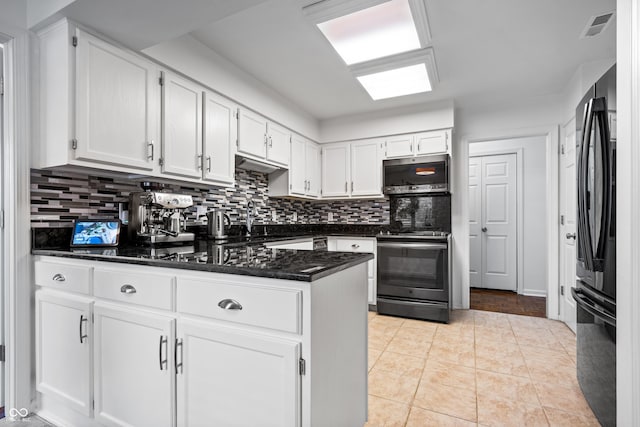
x: 59, y: 197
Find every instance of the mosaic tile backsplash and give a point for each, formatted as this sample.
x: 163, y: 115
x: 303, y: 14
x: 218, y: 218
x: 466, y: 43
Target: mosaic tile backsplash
x: 59, y: 197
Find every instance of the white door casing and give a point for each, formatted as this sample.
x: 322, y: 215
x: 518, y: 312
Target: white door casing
x: 568, y: 208
x: 475, y: 224
x: 498, y: 222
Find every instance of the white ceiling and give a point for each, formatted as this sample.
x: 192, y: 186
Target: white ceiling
x: 488, y: 53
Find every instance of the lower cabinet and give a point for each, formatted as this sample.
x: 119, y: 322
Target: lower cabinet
x: 231, y: 377
x: 133, y: 367
x: 63, y: 341
x: 359, y: 244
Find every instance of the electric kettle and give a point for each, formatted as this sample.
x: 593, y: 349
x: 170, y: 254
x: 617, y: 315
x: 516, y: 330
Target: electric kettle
x: 216, y: 224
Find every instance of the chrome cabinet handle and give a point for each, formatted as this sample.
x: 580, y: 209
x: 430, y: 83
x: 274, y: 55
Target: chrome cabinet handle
x: 352, y: 186
x: 418, y: 147
x: 345, y: 187
x: 265, y: 139
x: 150, y: 157
x: 484, y: 229
x: 128, y: 289
x: 82, y: 334
x: 355, y: 246
x: 229, y: 304
x: 270, y: 141
x: 178, y: 364
x: 199, y: 161
x: 59, y: 278
x: 163, y: 340
x: 571, y: 236
x: 208, y: 163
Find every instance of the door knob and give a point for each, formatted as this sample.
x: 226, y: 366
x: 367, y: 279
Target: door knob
x: 484, y: 229
x: 571, y: 236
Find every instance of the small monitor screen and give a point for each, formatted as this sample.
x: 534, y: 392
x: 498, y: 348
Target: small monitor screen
x: 95, y: 233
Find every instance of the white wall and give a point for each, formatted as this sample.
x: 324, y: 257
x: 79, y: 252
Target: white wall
x: 388, y: 122
x: 584, y: 77
x: 189, y: 56
x: 534, y: 205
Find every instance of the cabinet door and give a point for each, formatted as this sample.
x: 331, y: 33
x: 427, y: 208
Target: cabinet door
x: 398, y: 146
x: 298, y: 167
x: 278, y: 147
x: 117, y: 105
x: 432, y: 142
x: 231, y: 377
x: 220, y: 134
x: 312, y: 163
x: 252, y: 134
x: 335, y: 170
x: 181, y: 127
x: 63, y: 348
x: 366, y: 169
x: 133, y: 367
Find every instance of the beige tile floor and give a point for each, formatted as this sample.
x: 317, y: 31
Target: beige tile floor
x: 482, y: 369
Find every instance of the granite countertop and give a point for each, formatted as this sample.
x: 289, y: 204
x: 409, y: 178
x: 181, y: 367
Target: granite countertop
x: 248, y: 258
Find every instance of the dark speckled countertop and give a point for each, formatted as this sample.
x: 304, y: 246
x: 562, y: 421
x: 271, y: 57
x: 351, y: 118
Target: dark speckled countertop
x: 247, y: 256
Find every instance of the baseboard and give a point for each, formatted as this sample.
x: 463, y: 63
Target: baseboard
x: 534, y: 293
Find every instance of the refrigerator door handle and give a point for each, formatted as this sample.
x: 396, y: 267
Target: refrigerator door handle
x: 601, y: 111
x: 588, y: 305
x: 584, y: 236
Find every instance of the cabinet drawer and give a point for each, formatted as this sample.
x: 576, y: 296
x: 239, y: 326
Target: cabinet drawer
x: 355, y: 245
x: 151, y: 290
x: 272, y: 308
x: 68, y: 277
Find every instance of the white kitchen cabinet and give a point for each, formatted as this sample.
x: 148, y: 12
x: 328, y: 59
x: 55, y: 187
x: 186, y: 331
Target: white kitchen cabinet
x: 99, y: 104
x: 181, y: 126
x: 418, y: 144
x: 359, y: 244
x: 133, y: 367
x: 366, y: 168
x: 336, y: 170
x: 63, y: 343
x: 302, y: 244
x: 351, y: 169
x: 302, y: 179
x: 434, y: 142
x: 220, y: 136
x: 398, y: 146
x: 233, y: 377
x: 262, y: 139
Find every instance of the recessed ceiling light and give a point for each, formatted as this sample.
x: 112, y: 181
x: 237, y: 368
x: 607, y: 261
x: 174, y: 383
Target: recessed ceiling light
x: 378, y: 31
x: 396, y: 82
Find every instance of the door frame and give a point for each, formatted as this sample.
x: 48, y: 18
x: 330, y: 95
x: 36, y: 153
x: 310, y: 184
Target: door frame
x: 16, y: 276
x: 460, y: 223
x: 519, y: 152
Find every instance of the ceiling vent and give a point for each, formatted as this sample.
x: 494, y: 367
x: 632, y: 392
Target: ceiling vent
x: 597, y: 24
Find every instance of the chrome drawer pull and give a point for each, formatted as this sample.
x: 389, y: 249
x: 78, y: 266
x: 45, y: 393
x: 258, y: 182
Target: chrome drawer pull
x: 163, y: 362
x: 355, y: 246
x: 82, y: 334
x: 128, y: 289
x: 59, y: 278
x: 229, y: 304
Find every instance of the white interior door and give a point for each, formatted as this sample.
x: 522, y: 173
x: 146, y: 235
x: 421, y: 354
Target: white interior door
x: 475, y: 233
x: 568, y: 225
x: 496, y: 187
x: 2, y: 340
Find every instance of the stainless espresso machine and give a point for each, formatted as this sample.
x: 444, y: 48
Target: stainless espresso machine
x: 158, y: 217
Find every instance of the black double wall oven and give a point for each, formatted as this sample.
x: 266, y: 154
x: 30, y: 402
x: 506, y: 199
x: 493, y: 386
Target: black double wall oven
x: 595, y: 291
x: 414, y: 255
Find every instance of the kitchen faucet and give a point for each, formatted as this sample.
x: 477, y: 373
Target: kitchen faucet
x: 249, y: 216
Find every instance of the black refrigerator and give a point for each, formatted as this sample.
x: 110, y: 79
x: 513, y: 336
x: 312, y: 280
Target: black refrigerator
x: 595, y: 291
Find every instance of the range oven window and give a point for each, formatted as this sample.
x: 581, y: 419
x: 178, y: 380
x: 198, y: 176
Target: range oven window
x: 417, y: 266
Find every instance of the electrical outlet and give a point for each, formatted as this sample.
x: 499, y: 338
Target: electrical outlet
x: 330, y: 216
x: 274, y: 215
x: 294, y: 217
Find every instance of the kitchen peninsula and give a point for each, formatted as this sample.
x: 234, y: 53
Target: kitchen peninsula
x: 245, y: 335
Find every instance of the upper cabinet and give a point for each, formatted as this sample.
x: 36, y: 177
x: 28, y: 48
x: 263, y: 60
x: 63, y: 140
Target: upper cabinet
x: 418, y: 144
x: 181, y: 126
x: 262, y: 139
x: 105, y: 107
x: 302, y: 179
x: 352, y: 169
x: 219, y: 138
x: 99, y: 105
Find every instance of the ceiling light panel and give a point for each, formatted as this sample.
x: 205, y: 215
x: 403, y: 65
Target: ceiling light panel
x: 396, y: 82
x: 378, y: 31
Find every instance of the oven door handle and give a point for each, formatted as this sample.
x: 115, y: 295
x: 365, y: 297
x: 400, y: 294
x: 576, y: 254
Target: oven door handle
x: 412, y: 245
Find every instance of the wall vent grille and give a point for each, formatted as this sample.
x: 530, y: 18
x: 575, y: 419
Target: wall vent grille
x: 597, y: 24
